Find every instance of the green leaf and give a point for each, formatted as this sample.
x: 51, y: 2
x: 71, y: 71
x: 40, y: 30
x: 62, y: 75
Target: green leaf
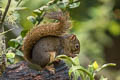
x: 76, y: 75
x: 39, y: 19
x: 67, y: 60
x: 71, y: 70
x: 13, y: 43
x: 11, y: 60
x: 114, y: 28
x: 20, y: 40
x: 37, y: 12
x: 103, y: 67
x: 76, y: 60
x: 23, y: 33
x: 91, y: 69
x: 19, y: 53
x: 32, y: 19
x: 79, y: 68
x: 10, y: 55
x: 74, y: 5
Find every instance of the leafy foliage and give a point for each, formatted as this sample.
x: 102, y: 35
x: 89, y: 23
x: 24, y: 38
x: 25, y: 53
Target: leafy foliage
x: 92, y: 19
x: 15, y: 47
x: 62, y: 4
x: 13, y: 16
x: 10, y: 57
x: 77, y: 71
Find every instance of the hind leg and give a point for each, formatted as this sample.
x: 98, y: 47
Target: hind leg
x: 50, y: 67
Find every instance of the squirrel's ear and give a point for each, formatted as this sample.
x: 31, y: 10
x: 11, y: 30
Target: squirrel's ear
x: 72, y: 37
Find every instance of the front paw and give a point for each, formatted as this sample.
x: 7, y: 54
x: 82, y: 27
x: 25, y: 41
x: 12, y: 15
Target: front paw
x: 51, y: 69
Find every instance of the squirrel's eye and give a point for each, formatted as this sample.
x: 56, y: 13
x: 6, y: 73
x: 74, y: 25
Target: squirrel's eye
x: 77, y: 46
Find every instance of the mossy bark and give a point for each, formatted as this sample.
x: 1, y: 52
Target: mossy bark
x: 2, y: 48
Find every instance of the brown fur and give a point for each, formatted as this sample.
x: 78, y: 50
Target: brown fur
x: 49, y: 37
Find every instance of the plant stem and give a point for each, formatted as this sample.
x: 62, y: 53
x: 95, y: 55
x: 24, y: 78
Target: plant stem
x: 104, y: 66
x: 85, y: 71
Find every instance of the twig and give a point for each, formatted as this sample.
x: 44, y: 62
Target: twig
x: 18, y: 3
x: 51, y: 2
x: 6, y: 31
x: 5, y: 13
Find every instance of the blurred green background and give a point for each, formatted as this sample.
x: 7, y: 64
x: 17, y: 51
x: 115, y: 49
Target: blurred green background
x: 97, y: 25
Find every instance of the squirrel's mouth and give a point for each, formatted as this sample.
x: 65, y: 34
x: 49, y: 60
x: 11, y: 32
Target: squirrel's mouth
x: 72, y: 55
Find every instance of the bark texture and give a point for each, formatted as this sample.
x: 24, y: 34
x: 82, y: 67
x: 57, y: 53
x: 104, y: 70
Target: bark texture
x: 21, y: 71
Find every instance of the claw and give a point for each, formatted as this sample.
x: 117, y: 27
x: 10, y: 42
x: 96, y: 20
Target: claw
x: 51, y: 69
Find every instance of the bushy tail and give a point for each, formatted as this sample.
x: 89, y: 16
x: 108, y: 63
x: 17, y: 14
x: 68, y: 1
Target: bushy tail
x: 62, y: 17
x: 51, y: 29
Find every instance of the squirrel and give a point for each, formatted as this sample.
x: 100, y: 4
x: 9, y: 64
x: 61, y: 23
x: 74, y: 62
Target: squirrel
x: 44, y: 42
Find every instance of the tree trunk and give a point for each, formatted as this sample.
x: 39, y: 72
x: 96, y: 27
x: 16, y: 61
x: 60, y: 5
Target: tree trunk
x: 2, y: 47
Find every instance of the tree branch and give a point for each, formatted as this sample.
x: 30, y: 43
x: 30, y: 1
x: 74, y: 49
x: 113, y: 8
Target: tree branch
x: 5, y: 13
